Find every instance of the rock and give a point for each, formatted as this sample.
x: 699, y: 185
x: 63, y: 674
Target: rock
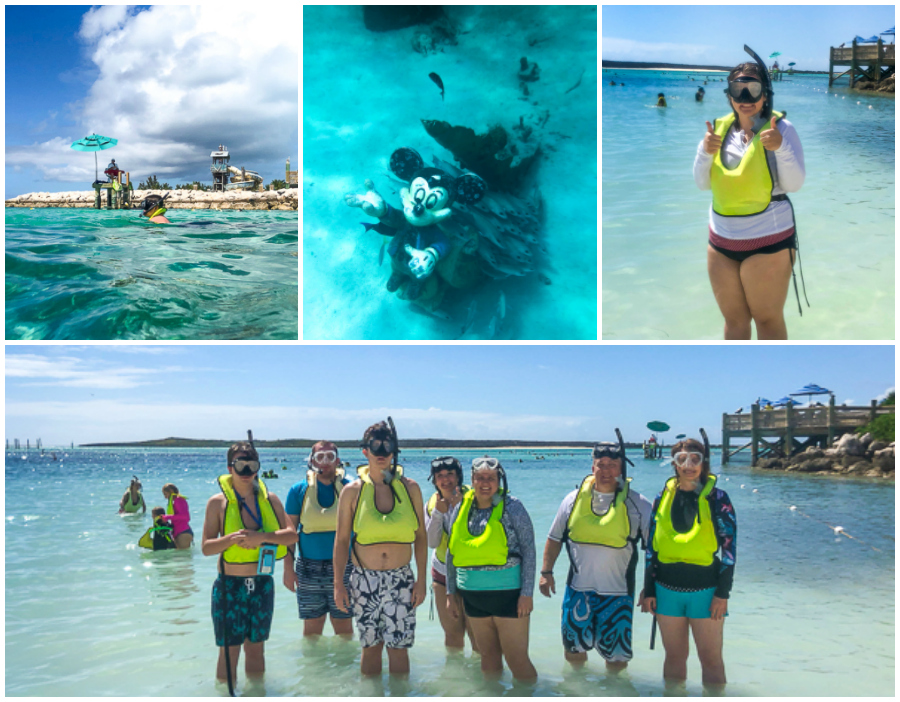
x: 883, y: 459
x: 860, y: 467
x: 802, y: 457
x: 849, y: 445
x: 819, y: 464
x: 384, y: 18
x: 769, y: 464
x: 877, y: 445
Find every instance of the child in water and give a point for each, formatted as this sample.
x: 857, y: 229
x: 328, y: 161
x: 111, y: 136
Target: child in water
x: 159, y: 536
x: 154, y: 209
x: 662, y: 100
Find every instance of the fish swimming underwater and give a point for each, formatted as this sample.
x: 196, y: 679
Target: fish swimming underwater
x: 381, y: 252
x: 437, y: 80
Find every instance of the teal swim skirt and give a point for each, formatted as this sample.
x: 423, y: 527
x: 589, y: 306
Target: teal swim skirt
x: 693, y: 605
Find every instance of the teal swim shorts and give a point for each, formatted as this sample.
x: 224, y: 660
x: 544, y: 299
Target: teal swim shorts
x: 693, y: 605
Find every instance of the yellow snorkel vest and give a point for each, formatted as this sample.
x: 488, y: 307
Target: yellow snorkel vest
x: 747, y: 189
x: 314, y: 518
x: 587, y: 527
x: 490, y: 548
x: 157, y: 212
x: 234, y: 522
x: 697, y: 546
x: 441, y: 550
x: 374, y: 527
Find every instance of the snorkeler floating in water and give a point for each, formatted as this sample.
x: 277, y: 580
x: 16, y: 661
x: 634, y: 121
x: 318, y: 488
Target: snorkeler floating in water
x: 154, y: 209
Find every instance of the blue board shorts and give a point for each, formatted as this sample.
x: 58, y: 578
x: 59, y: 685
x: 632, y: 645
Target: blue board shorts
x: 315, y: 589
x: 601, y: 622
x: 247, y: 611
x: 693, y: 605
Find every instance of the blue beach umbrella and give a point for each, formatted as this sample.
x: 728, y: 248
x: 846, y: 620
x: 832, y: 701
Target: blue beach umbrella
x: 890, y: 31
x: 762, y: 401
x: 810, y: 390
x: 784, y: 402
x: 94, y: 143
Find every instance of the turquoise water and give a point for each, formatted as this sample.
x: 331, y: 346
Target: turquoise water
x: 655, y: 284
x: 88, y: 274
x: 88, y: 613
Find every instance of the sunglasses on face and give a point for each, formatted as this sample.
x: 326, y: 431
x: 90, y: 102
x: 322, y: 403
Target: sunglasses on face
x: 381, y: 447
x: 688, y: 458
x: 245, y: 467
x: 325, y: 457
x: 743, y: 91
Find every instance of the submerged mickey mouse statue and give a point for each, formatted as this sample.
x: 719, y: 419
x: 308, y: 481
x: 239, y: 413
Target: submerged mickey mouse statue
x: 418, y: 242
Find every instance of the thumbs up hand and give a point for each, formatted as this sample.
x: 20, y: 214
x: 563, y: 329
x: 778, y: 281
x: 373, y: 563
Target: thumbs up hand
x: 770, y: 136
x: 712, y: 142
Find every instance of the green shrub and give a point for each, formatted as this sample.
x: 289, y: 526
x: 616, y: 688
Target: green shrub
x: 882, y: 428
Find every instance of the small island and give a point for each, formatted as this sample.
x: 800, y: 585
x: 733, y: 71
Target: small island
x: 283, y: 199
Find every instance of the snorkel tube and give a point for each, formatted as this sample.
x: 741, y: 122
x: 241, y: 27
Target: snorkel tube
x: 705, y: 448
x: 157, y: 210
x: 396, y: 446
x: 767, y: 79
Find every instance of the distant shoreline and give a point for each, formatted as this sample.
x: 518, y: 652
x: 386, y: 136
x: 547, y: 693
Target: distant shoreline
x: 284, y: 199
x: 475, y: 444
x: 643, y: 66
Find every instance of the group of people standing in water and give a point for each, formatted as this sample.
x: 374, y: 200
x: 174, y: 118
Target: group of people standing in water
x: 348, y: 550
x: 171, y: 524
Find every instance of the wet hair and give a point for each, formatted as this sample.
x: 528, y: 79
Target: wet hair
x: 157, y: 512
x: 693, y: 445
x: 243, y: 447
x: 379, y: 429
x: 171, y: 487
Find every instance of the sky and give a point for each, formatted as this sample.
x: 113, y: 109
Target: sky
x: 169, y: 82
x: 124, y: 392
x: 716, y: 34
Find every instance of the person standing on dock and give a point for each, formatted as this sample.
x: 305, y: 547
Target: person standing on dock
x: 601, y: 524
x: 750, y: 160
x: 383, y: 515
x: 312, y: 507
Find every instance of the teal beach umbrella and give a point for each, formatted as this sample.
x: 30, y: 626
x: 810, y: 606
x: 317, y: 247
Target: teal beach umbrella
x: 95, y: 143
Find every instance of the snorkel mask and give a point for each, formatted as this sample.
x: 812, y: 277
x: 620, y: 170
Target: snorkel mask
x: 153, y: 206
x: 383, y: 442
x: 447, y: 463
x: 749, y: 89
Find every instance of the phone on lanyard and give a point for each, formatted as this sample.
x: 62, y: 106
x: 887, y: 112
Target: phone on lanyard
x: 266, y: 564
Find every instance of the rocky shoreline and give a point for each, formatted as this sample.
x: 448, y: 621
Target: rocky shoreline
x: 285, y: 199
x: 851, y: 455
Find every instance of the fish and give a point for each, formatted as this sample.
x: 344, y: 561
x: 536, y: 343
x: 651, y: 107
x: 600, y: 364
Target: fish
x: 544, y: 279
x: 381, y: 252
x: 437, y: 81
x: 436, y: 314
x: 381, y: 228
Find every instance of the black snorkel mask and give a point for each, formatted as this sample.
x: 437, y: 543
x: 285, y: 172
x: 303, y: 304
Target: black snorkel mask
x: 384, y: 443
x: 745, y: 93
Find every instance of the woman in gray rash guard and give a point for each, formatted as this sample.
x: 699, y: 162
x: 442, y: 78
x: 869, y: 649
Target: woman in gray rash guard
x: 491, y: 563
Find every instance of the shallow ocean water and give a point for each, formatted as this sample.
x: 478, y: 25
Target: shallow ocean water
x: 655, y: 219
x: 89, y: 274
x: 366, y: 94
x: 89, y: 613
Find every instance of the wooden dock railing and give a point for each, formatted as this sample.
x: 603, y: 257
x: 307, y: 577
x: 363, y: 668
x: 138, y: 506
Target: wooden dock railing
x: 817, y: 425
x: 865, y: 61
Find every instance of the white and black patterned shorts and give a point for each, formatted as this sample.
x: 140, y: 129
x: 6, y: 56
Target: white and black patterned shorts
x: 382, y: 606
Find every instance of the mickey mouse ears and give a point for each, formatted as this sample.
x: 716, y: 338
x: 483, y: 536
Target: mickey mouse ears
x: 468, y: 188
x: 405, y: 162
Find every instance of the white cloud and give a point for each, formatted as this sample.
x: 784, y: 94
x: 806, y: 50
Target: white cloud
x: 102, y: 19
x: 883, y: 395
x: 174, y: 82
x: 615, y: 49
x: 73, y: 372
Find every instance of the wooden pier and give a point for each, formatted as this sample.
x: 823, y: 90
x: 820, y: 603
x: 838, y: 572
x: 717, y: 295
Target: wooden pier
x: 867, y: 62
x: 778, y: 432
x: 118, y: 194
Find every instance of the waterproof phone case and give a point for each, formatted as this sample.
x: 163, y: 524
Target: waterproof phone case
x: 266, y: 559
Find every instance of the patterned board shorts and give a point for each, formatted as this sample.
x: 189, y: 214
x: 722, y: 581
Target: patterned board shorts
x: 597, y: 621
x: 382, y: 605
x: 315, y: 589
x: 247, y: 610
